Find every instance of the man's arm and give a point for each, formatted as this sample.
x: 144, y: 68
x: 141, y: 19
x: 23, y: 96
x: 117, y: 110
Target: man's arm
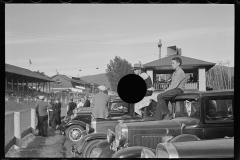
x: 179, y: 76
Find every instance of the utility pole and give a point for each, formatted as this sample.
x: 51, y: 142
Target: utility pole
x: 159, y: 46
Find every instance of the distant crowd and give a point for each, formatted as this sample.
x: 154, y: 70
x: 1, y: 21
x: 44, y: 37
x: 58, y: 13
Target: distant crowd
x: 19, y: 97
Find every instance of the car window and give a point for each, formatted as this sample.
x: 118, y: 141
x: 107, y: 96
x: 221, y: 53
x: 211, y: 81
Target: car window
x: 119, y: 106
x: 187, y: 108
x: 219, y: 110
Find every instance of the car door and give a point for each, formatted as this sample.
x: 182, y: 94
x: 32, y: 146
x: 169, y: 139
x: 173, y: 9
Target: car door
x: 218, y: 117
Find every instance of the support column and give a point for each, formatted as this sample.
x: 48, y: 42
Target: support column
x: 150, y: 73
x: 17, y: 131
x: 12, y: 82
x: 202, y: 79
x: 33, y: 120
x: 18, y: 84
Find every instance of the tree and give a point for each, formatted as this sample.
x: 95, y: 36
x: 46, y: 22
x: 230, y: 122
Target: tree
x: 116, y: 69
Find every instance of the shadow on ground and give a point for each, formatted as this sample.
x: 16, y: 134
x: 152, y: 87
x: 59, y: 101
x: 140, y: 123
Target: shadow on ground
x: 52, y: 146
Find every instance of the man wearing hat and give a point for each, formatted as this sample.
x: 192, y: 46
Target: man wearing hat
x: 87, y: 102
x: 100, y: 103
x: 71, y: 106
x: 52, y: 113
x: 41, y: 110
x: 58, y: 112
x: 139, y: 70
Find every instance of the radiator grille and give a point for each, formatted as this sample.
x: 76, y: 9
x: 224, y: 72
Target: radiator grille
x: 150, y: 141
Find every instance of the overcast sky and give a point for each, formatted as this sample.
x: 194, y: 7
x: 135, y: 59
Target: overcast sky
x: 66, y: 37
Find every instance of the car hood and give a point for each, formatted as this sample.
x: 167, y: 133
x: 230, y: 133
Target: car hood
x: 187, y: 121
x: 161, y: 124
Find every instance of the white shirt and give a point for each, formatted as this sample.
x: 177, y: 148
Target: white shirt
x: 80, y: 104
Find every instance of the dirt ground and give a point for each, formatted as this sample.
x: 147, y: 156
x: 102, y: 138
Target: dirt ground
x: 53, y: 146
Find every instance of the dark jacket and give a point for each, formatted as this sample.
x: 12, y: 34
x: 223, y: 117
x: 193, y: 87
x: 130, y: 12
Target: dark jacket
x: 87, y: 103
x: 71, y: 107
x: 58, y: 107
x: 53, y: 106
x: 41, y: 108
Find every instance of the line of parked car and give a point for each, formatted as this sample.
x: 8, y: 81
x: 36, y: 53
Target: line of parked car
x: 202, y: 125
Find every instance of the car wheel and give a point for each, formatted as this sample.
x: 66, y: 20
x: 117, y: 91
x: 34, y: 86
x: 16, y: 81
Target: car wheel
x: 89, y: 147
x: 74, y: 133
x: 184, y: 138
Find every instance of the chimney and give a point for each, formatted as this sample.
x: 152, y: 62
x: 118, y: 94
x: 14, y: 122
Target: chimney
x: 159, y: 46
x: 179, y: 51
x: 172, y: 50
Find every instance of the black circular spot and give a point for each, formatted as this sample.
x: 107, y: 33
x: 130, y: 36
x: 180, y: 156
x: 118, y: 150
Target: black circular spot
x: 132, y: 88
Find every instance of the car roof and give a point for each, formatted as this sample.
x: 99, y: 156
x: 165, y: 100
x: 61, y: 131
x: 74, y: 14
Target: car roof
x: 196, y: 94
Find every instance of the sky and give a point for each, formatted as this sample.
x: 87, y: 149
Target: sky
x: 70, y: 37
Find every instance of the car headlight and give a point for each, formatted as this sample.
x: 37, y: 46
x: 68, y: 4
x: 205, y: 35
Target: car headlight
x: 161, y: 151
x: 121, y: 134
x: 95, y: 152
x: 89, y: 129
x: 110, y: 136
x: 94, y: 125
x: 146, y: 153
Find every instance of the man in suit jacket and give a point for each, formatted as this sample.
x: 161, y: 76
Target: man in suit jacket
x: 52, y: 113
x: 100, y: 103
x: 87, y: 102
x: 58, y: 112
x: 41, y: 111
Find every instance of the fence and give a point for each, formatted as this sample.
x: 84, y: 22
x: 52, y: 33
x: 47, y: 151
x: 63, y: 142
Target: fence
x: 220, y: 76
x: 17, y: 126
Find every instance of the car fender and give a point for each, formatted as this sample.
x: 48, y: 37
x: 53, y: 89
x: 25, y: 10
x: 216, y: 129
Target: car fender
x: 89, y: 137
x: 130, y: 152
x: 106, y: 151
x: 75, y: 122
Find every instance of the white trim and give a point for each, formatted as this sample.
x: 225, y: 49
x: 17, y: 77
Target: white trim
x: 80, y: 87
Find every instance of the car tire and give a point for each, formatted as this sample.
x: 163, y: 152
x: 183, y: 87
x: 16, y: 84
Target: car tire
x: 184, y: 138
x: 69, y: 133
x: 89, y: 147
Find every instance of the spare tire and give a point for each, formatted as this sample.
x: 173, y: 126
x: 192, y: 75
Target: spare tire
x: 184, y: 138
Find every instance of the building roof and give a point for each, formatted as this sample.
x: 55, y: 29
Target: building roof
x: 25, y: 72
x: 72, y: 80
x: 187, y: 62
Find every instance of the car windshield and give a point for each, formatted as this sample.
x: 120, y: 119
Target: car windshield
x: 219, y: 110
x: 119, y: 106
x: 186, y: 108
x: 180, y: 108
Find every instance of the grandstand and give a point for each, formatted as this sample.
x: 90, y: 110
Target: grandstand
x: 23, y: 83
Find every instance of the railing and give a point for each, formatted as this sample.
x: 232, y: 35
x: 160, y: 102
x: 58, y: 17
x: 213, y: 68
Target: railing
x: 163, y: 86
x: 160, y: 86
x: 17, y: 126
x: 191, y: 85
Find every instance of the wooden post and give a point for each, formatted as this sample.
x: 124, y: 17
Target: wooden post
x: 17, y: 129
x: 33, y: 121
x: 17, y: 84
x: 12, y: 82
x: 202, y: 79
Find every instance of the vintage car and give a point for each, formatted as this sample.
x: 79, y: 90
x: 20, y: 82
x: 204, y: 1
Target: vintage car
x: 74, y: 128
x: 197, y: 114
x: 100, y: 126
x: 215, y: 148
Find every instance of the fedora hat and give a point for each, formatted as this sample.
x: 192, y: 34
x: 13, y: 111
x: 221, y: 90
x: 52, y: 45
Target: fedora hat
x: 137, y: 66
x: 41, y: 97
